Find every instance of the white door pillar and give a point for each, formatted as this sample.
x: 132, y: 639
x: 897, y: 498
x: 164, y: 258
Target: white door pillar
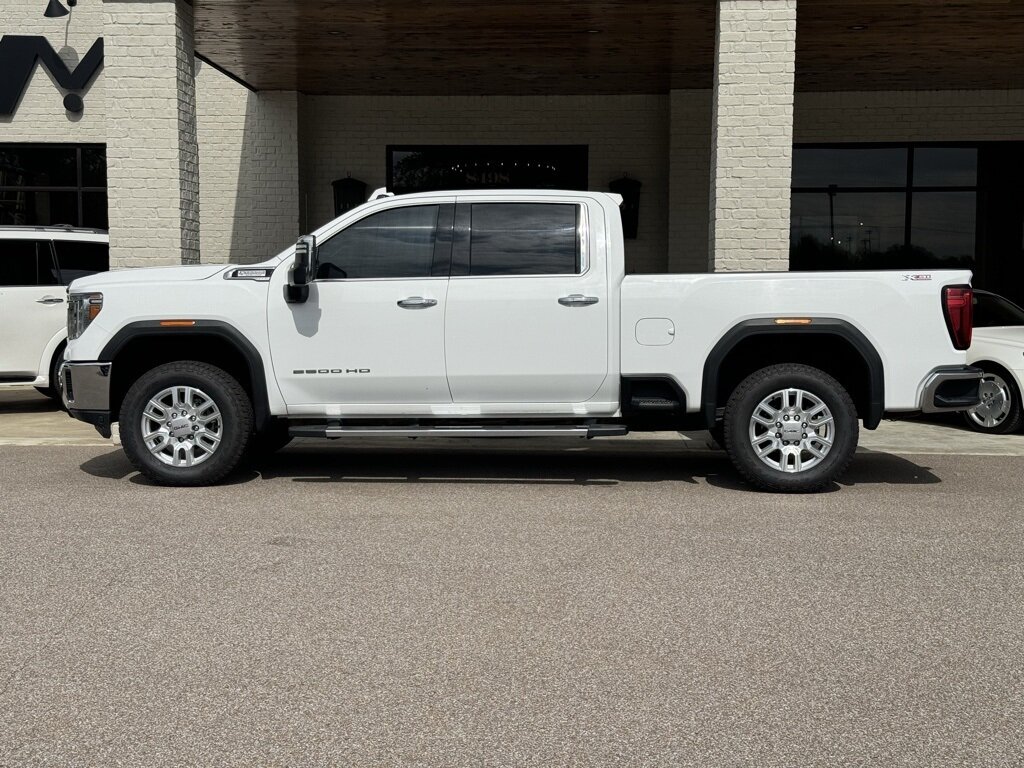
x: 752, y: 134
x: 152, y: 155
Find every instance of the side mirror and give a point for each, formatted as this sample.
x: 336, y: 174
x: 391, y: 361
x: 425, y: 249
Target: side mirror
x: 302, y: 271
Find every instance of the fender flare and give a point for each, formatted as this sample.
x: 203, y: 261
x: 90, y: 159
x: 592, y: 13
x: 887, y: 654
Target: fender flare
x: 217, y: 328
x: 55, y: 342
x: 821, y: 326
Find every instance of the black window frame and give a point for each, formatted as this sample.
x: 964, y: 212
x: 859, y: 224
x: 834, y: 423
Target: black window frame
x: 80, y: 189
x: 908, y: 188
x: 462, y: 247
x: 440, y: 265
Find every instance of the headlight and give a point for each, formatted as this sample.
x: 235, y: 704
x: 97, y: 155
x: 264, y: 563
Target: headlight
x: 82, y: 310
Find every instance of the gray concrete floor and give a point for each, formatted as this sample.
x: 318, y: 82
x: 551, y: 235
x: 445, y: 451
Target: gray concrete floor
x: 624, y: 603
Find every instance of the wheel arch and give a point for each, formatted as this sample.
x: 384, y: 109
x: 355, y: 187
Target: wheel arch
x: 738, y: 354
x: 990, y: 364
x: 142, y: 345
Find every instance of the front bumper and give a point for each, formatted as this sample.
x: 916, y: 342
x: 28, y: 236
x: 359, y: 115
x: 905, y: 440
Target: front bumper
x: 951, y: 388
x: 85, y: 388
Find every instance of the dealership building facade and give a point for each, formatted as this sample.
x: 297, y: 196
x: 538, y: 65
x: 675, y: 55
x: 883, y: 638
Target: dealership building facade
x: 748, y: 134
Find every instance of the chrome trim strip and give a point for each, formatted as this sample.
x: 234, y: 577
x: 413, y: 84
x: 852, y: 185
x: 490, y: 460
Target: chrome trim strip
x: 940, y: 376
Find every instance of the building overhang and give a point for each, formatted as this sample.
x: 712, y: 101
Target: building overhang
x: 399, y: 47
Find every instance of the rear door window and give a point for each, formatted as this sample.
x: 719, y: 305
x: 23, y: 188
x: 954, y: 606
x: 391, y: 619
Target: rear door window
x: 27, y: 263
x: 524, y: 239
x: 81, y: 259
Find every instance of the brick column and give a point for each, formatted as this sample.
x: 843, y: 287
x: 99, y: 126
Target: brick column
x: 752, y: 134
x: 152, y: 154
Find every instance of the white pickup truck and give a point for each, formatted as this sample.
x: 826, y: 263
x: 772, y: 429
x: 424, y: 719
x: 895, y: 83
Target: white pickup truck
x: 505, y: 314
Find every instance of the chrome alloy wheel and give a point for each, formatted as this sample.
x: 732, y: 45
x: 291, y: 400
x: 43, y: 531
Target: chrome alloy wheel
x: 182, y: 426
x: 996, y: 402
x: 791, y: 430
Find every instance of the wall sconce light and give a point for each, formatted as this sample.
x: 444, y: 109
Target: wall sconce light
x: 348, y: 193
x: 54, y: 9
x: 630, y: 210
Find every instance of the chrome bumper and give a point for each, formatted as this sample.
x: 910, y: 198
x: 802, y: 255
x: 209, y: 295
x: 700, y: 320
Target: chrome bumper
x: 85, y: 389
x: 952, y: 388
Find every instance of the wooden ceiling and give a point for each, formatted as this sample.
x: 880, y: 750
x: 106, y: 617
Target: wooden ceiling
x: 402, y: 47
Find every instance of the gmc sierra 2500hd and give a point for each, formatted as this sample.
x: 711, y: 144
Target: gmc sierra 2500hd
x: 505, y: 313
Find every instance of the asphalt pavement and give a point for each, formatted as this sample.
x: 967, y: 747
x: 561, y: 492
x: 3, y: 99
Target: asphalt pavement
x: 509, y: 604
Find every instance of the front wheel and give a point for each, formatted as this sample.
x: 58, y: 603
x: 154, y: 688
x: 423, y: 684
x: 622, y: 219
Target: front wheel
x: 790, y: 428
x: 186, y: 423
x: 1000, y: 410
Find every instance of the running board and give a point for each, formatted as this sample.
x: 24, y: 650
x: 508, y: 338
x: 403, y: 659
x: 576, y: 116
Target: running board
x: 568, y: 430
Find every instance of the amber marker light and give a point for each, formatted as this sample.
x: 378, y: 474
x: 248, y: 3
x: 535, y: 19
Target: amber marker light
x: 177, y: 323
x: 792, y: 321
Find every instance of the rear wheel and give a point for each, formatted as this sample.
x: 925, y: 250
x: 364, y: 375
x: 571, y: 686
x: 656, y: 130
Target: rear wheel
x: 54, y: 390
x: 790, y: 428
x: 1000, y: 410
x: 186, y: 423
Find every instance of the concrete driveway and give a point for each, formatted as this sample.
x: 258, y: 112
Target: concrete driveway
x: 625, y: 603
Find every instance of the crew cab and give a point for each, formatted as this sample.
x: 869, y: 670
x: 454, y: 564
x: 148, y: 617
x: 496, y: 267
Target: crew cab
x: 506, y: 313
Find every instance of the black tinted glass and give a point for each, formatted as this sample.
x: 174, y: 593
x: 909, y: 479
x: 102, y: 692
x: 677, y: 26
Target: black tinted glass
x: 80, y: 259
x: 393, y: 243
x: 94, y: 210
x: 39, y: 208
x: 38, y: 165
x: 850, y: 167
x: 992, y: 311
x: 861, y: 230
x: 94, y: 166
x: 26, y: 262
x: 942, y: 228
x: 945, y: 167
x: 524, y: 239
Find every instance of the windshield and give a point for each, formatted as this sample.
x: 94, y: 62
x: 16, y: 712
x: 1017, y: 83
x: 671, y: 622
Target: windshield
x: 991, y: 311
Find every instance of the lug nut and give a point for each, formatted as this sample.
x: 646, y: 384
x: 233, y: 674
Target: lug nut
x: 804, y: 435
x: 196, y: 429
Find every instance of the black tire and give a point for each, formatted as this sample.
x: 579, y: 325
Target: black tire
x: 739, y: 412
x: 54, y: 391
x: 997, y: 378
x: 235, y: 422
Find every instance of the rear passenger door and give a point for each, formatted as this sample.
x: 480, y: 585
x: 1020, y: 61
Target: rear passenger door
x: 81, y: 258
x: 32, y: 306
x: 527, y: 315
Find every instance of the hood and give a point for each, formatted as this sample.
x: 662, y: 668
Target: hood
x: 147, y: 275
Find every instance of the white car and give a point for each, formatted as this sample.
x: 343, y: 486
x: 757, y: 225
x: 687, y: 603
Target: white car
x: 36, y: 263
x: 998, y: 349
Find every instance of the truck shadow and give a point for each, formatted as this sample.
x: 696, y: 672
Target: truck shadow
x: 639, y: 462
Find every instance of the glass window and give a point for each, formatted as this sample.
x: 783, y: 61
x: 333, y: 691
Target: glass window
x: 860, y: 230
x: 38, y: 165
x: 992, y: 311
x: 26, y: 262
x: 524, y: 239
x: 398, y: 242
x: 850, y: 167
x: 94, y: 167
x: 945, y: 166
x: 942, y: 228
x: 94, y: 210
x: 77, y: 259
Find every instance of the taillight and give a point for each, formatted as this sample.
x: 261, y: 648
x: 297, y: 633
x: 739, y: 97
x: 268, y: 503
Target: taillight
x: 958, y: 303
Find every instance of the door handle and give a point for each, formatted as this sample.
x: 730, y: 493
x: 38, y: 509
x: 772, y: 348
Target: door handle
x: 50, y: 300
x: 417, y: 302
x: 578, y: 300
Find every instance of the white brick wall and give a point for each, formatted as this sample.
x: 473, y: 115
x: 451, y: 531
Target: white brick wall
x: 752, y: 134
x: 248, y: 169
x: 41, y: 115
x: 152, y: 167
x: 910, y: 116
x: 342, y: 135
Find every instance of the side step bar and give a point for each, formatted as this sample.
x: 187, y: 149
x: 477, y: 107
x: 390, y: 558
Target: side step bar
x: 567, y: 430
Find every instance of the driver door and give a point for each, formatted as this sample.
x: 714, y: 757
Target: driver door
x: 370, y: 338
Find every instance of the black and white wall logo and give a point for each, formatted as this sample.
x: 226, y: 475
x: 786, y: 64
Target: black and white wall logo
x: 18, y: 56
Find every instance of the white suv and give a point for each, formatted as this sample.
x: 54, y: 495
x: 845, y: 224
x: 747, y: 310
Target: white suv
x: 35, y: 265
